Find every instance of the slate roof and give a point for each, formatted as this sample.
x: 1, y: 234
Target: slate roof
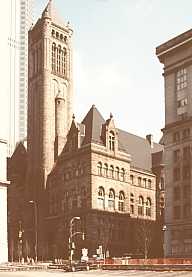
x: 138, y: 147
x: 93, y: 122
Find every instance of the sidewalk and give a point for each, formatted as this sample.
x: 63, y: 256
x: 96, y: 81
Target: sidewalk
x: 151, y: 267
x: 22, y: 267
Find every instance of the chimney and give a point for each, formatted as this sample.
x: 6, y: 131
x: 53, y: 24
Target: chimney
x: 149, y: 138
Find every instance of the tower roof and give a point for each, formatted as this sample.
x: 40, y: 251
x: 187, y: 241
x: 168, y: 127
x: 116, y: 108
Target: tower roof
x: 93, y: 122
x: 51, y: 12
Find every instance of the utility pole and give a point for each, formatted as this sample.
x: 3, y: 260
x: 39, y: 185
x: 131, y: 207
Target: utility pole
x: 36, y: 232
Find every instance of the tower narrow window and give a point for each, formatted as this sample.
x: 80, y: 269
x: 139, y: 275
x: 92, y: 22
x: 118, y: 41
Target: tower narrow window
x: 111, y: 141
x: 59, y: 59
x: 53, y: 56
x: 65, y: 62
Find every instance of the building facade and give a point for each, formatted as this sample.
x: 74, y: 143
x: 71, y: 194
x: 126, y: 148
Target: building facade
x: 91, y: 171
x: 176, y: 58
x: 3, y: 202
x: 26, y: 20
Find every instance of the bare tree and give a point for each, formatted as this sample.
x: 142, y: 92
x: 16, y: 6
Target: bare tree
x: 144, y: 236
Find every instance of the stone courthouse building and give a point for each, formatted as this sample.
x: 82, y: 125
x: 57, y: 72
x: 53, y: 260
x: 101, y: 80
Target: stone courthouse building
x: 91, y: 170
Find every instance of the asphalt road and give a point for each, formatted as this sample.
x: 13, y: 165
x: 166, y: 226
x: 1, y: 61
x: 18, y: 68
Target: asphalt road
x: 94, y: 273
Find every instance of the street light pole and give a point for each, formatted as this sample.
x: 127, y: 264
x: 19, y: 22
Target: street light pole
x: 35, y: 217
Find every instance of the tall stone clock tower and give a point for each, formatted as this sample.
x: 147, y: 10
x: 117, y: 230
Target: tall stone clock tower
x: 50, y: 99
x: 50, y: 104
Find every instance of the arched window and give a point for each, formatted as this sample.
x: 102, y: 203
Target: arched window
x: 65, y: 61
x: 132, y: 179
x: 111, y: 141
x: 149, y: 184
x: 53, y: 33
x: 99, y: 168
x: 101, y: 198
x: 141, y: 206
x: 59, y: 59
x: 111, y: 200
x: 148, y: 207
x: 62, y: 62
x: 121, y: 204
x: 122, y: 174
x: 111, y: 171
x: 117, y: 172
x: 132, y: 203
x: 53, y: 57
x: 105, y: 170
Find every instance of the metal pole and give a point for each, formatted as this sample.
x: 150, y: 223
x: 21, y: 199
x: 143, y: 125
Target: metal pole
x: 35, y: 209
x: 36, y: 232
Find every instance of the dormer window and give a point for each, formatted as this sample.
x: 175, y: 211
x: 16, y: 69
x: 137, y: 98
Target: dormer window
x: 111, y: 141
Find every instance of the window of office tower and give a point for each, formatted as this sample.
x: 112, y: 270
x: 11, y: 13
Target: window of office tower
x: 181, y: 79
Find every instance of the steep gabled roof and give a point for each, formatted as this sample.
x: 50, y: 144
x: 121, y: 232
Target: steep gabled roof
x: 93, y: 123
x: 138, y: 147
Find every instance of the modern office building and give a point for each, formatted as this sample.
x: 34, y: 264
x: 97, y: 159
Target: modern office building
x: 26, y: 19
x: 3, y: 202
x: 175, y: 55
x: 16, y: 17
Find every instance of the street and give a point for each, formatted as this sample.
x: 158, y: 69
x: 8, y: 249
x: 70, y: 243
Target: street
x: 104, y: 273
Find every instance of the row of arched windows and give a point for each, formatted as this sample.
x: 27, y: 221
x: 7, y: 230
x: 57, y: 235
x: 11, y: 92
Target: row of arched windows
x: 144, y: 207
x: 59, y: 59
x: 141, y: 182
x: 110, y: 171
x: 111, y: 199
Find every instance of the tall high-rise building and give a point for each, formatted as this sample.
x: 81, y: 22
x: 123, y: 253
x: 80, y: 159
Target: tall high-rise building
x: 26, y: 18
x: 176, y: 57
x: 16, y: 19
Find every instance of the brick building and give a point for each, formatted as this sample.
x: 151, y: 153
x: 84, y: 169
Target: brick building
x: 91, y: 170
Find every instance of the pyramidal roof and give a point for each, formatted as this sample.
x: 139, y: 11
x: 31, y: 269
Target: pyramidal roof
x: 93, y: 122
x: 51, y: 12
